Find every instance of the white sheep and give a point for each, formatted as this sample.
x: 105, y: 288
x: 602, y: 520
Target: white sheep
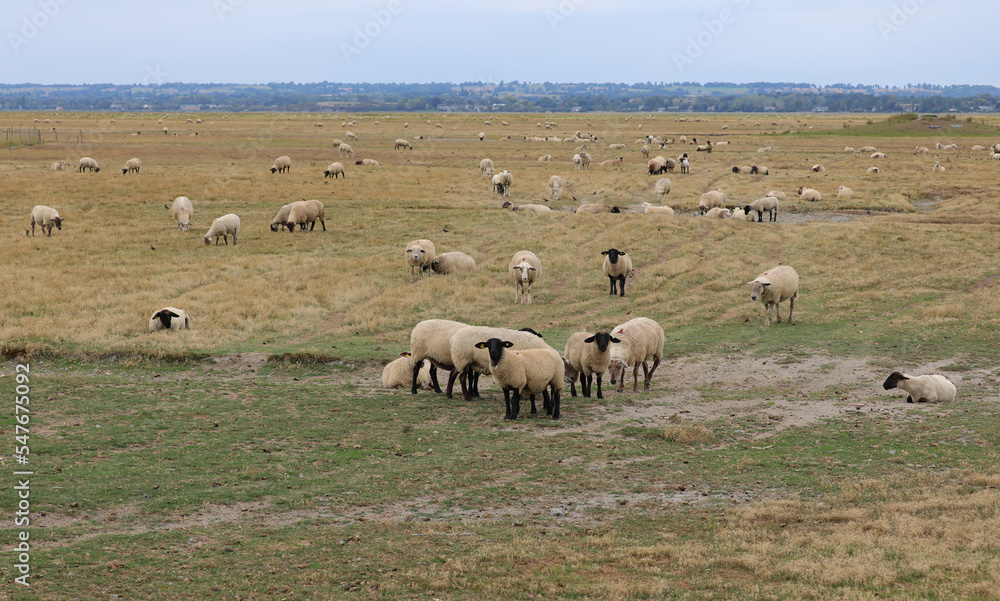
x: 223, y: 226
x: 399, y: 374
x: 169, y: 318
x: 453, y: 262
x: 848, y: 149
x: 810, y: 194
x: 995, y: 156
x: 131, y: 165
x: 596, y: 209
x: 657, y: 165
x: 502, y: 182
x: 470, y: 362
x: 367, y: 162
x: 685, y: 165
x: 401, y: 143
x: 535, y: 209
x: 878, y: 155
x: 873, y: 170
x: 938, y: 167
x: 577, y: 162
x: 58, y: 166
x: 335, y: 170
x: 545, y: 158
x: 585, y: 159
x: 718, y: 213
x: 645, y: 151
x: 616, y: 147
x: 419, y: 255
x: 350, y: 135
x: 777, y: 194
x: 525, y: 268
x: 818, y: 168
x: 977, y: 148
x: 306, y: 211
x: 281, y: 164
x: 430, y: 340
x: 931, y: 388
x: 662, y: 188
x: 617, y: 162
x: 867, y: 149
x: 743, y: 169
x: 739, y: 213
x: 482, y: 135
x: 617, y: 266
x: 640, y: 340
x: 45, y: 217
x: 775, y: 286
x: 589, y: 355
x: 711, y: 199
x: 337, y: 142
x: 281, y: 219
x: 650, y: 209
x: 920, y: 150
x: 767, y: 203
x: 345, y: 149
x: 486, y: 168
x: 844, y: 193
x: 87, y: 163
x: 764, y: 149
x: 529, y: 371
x: 707, y: 147
x: 182, y: 210
x: 555, y: 185
x: 760, y: 170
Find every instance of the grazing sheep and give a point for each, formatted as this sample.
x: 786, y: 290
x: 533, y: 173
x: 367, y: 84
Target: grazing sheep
x: 536, y: 209
x: 995, y: 156
x: 650, y: 209
x: 612, y: 162
x: 45, y: 217
x: 401, y: 143
x: 281, y: 219
x: 617, y: 266
x: 718, y: 213
x: 453, y: 262
x: 182, y: 210
x: 169, y: 318
x: 529, y: 371
x: 223, y: 226
x: 685, y: 165
x: 470, y: 362
x: 58, y: 166
x: 759, y: 170
x: 775, y: 286
x: 645, y: 151
x: 639, y: 340
x: 555, y: 185
x: 938, y: 167
x: 525, y: 268
x: 345, y: 149
x: 335, y: 170
x: 87, y: 163
x: 502, y: 182
x: 594, y: 209
x: 399, y: 374
x: 482, y: 135
x: 767, y: 203
x: 873, y: 170
x: 337, y: 142
x: 810, y: 194
x: 657, y: 165
x: 486, y: 168
x: 131, y: 165
x: 419, y: 254
x: 844, y: 193
x: 367, y: 162
x: 588, y: 355
x: 306, y: 211
x: 350, y: 135
x: 932, y: 388
x: 281, y: 164
x: 430, y: 341
x: 818, y: 168
x: 662, y: 188
x: 878, y: 155
x: 711, y: 199
x: 921, y: 150
x: 545, y: 158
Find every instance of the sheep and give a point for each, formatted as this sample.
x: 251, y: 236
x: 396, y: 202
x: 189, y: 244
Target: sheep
x: 401, y: 143
x: 977, y: 148
x: 486, y: 168
x: 938, y: 167
x: 555, y: 185
x: 577, y: 162
x: 777, y: 194
x: 594, y: 209
x: 430, y: 341
x: 345, y: 149
x: 545, y: 158
x: 655, y: 210
x: 775, y: 286
x: 525, y: 268
x: 878, y: 155
x: 399, y: 373
x: 335, y: 170
x: 58, y: 166
x: 662, y: 188
x: 866, y: 149
x: 810, y: 194
x: 585, y: 159
x: 502, y: 182
x: 657, y: 165
x: 639, y: 340
x: 848, y: 149
x: 742, y: 169
x: 350, y: 135
x: 419, y: 254
x: 470, y: 363
x: 223, y: 226
x: 530, y: 371
x: 950, y: 147
x: 617, y: 266
x: 169, y: 318
x: 616, y: 147
x: 337, y: 142
x: 281, y: 164
x: 367, y: 162
x: 920, y: 150
x: 995, y: 147
x: 453, y: 262
x: 645, y: 151
x: 739, y: 213
x: 873, y: 170
x: 685, y: 165
x: 931, y: 388
x: 682, y: 139
x: 764, y: 149
x: 818, y: 168
x: 612, y: 162
x: 767, y: 203
x: 88, y: 163
x: 45, y: 217
x: 711, y: 199
x: 182, y: 210
x: 718, y: 213
x: 482, y: 136
x: 281, y: 219
x: 536, y: 209
x: 759, y: 170
x: 131, y: 165
x: 306, y: 211
x: 995, y: 156
x: 844, y: 193
x: 707, y: 147
x: 589, y: 354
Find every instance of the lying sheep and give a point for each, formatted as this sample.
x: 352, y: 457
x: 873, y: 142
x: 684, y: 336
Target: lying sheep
x: 739, y: 213
x: 848, y: 149
x: 453, y: 262
x: 306, y: 211
x: 58, y: 166
x: 486, y: 168
x: 662, y: 188
x: 419, y: 254
x: 718, y: 213
x: 743, y: 169
x: 767, y: 203
x: 182, y: 210
x: 639, y: 340
x: 706, y: 147
x: 711, y: 199
x: 530, y: 371
x: 131, y: 165
x: 844, y: 193
x: 401, y: 143
x: 818, y: 168
x: 977, y: 148
x: 932, y: 388
x: 555, y: 185
x: 616, y: 147
x: 345, y: 149
x: 87, y: 163
x: 775, y: 286
x: 223, y: 226
x: 46, y: 217
x: 873, y: 170
x: 810, y: 194
x: 594, y: 209
x: 335, y: 170
x: 655, y: 210
x: 764, y: 149
x: 281, y: 164
x: 878, y: 155
x: 760, y: 170
x: 922, y: 150
x: 470, y: 362
x: 617, y: 266
x: 399, y: 374
x: 777, y: 194
x: 589, y: 355
x: 525, y: 268
x: 938, y: 167
x: 281, y: 219
x: 545, y: 158
x: 536, y: 209
x: 430, y: 341
x: 612, y: 162
x: 169, y: 318
x: 867, y: 149
x: 367, y: 162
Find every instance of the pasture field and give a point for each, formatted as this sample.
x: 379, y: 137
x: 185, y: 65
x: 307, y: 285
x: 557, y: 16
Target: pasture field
x: 257, y: 456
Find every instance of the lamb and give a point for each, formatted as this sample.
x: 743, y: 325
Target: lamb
x: 131, y: 165
x: 281, y: 164
x: 717, y: 213
x: 430, y: 341
x: 502, y: 182
x: 640, y: 340
x: 399, y: 373
x: 594, y: 209
x: 938, y: 167
x: 58, y: 166
x: 589, y: 354
x: 617, y: 266
x: 616, y: 147
x: 350, y: 135
x: 844, y: 193
x: 818, y: 168
x: 367, y: 162
x: 88, y: 163
x: 453, y: 262
x: 873, y: 170
x: 759, y: 170
x: 335, y: 170
x: 536, y: 209
x: 932, y: 388
x: 995, y: 156
x: 655, y: 210
x: 169, y: 318
x: 46, y: 217
x: 775, y: 286
x: 612, y: 162
x: 223, y: 226
x: 486, y: 167
x: 810, y: 194
x: 878, y: 155
x: 645, y: 151
x: 182, y: 210
x: 545, y: 158
x: 711, y: 199
x: 743, y: 169
x: 470, y: 362
x: 662, y: 188
x: 419, y: 254
x: 555, y: 185
x: 401, y: 143
x: 345, y: 149
x: 685, y: 165
x: 530, y: 371
x: 525, y: 268
x: 281, y: 219
x: 767, y: 203
x: 306, y: 211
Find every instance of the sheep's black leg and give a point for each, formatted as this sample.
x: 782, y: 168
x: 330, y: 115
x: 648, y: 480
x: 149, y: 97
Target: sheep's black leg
x: 323, y: 223
x: 555, y: 403
x: 572, y: 385
x: 649, y: 376
x: 548, y: 400
x: 621, y: 284
x: 474, y: 382
x: 434, y: 379
x: 506, y: 401
x: 586, y: 382
x: 599, y: 395
x: 416, y: 370
x: 451, y: 381
x: 909, y: 399
x: 462, y: 381
x: 515, y: 404
x: 612, y: 284
x: 534, y: 409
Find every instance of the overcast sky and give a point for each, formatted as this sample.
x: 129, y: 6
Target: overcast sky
x: 892, y: 42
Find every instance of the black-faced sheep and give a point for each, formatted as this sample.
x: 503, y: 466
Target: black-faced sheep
x: 617, y: 266
x: 223, y: 226
x: 281, y: 165
x: 529, y: 371
x: 46, y: 217
x: 932, y: 388
x: 589, y: 355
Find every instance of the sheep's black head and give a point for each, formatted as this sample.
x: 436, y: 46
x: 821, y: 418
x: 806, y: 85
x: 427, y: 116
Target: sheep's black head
x: 893, y: 380
x: 97, y: 169
x: 165, y: 316
x: 58, y: 221
x: 495, y: 346
x: 754, y: 170
x: 613, y: 254
x: 615, y: 210
x: 601, y: 339
x: 736, y: 169
x: 273, y: 169
x: 124, y: 171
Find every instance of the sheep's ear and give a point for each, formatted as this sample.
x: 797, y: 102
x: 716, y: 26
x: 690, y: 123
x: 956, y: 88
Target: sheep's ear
x: 604, y: 252
x: 622, y: 252
x: 589, y: 340
x: 751, y: 283
x: 765, y: 283
x: 480, y: 345
x: 615, y: 340
x: 507, y: 344
x: 404, y: 354
x: 532, y: 269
